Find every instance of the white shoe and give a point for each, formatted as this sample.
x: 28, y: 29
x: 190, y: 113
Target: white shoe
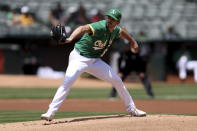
x: 47, y: 116
x: 137, y: 113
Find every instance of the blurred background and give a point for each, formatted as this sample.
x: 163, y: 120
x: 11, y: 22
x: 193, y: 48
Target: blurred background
x: 164, y: 29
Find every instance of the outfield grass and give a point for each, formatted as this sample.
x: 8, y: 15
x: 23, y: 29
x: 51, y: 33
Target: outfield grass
x: 162, y: 92
x: 168, y: 92
x: 8, y: 116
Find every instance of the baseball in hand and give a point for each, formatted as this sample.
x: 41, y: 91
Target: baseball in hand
x: 133, y: 50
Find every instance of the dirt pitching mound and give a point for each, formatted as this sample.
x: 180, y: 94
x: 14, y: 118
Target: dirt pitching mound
x: 109, y: 123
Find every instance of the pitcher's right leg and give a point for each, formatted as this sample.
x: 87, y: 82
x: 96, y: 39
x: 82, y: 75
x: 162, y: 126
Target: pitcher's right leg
x: 71, y: 75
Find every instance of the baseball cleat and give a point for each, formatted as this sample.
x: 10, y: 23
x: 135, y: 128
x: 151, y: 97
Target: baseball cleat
x: 137, y: 113
x: 47, y: 117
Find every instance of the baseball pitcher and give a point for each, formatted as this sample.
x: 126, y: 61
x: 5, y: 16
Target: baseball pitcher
x: 86, y: 57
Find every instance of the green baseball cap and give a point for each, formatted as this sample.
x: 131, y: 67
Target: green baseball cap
x: 115, y: 14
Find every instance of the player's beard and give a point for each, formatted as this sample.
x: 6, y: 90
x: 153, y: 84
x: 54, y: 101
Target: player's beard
x: 110, y: 26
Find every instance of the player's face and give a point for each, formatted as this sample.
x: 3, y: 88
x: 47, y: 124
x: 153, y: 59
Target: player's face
x: 111, y: 23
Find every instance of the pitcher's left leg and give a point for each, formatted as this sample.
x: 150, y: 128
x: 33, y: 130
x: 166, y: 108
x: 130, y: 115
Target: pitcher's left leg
x: 103, y: 71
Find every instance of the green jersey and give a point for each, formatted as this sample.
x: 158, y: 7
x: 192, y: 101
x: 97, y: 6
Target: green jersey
x: 96, y: 44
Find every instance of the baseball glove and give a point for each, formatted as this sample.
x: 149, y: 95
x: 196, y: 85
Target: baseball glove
x: 59, y: 33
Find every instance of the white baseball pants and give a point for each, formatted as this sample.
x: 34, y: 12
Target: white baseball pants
x: 95, y: 66
x: 192, y: 66
x: 181, y: 63
x: 184, y: 65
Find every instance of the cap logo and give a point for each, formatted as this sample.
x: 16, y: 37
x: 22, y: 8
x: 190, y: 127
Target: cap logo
x: 114, y: 12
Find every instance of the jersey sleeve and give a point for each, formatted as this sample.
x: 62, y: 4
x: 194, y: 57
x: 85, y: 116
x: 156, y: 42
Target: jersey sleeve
x: 96, y: 27
x: 92, y: 29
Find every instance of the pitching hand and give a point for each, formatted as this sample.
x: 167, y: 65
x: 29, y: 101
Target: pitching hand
x: 134, y: 48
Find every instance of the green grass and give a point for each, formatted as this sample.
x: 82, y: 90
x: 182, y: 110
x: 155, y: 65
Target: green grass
x: 162, y: 91
x: 8, y: 116
x: 176, y: 92
x: 45, y: 93
x: 26, y: 93
x: 168, y: 92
